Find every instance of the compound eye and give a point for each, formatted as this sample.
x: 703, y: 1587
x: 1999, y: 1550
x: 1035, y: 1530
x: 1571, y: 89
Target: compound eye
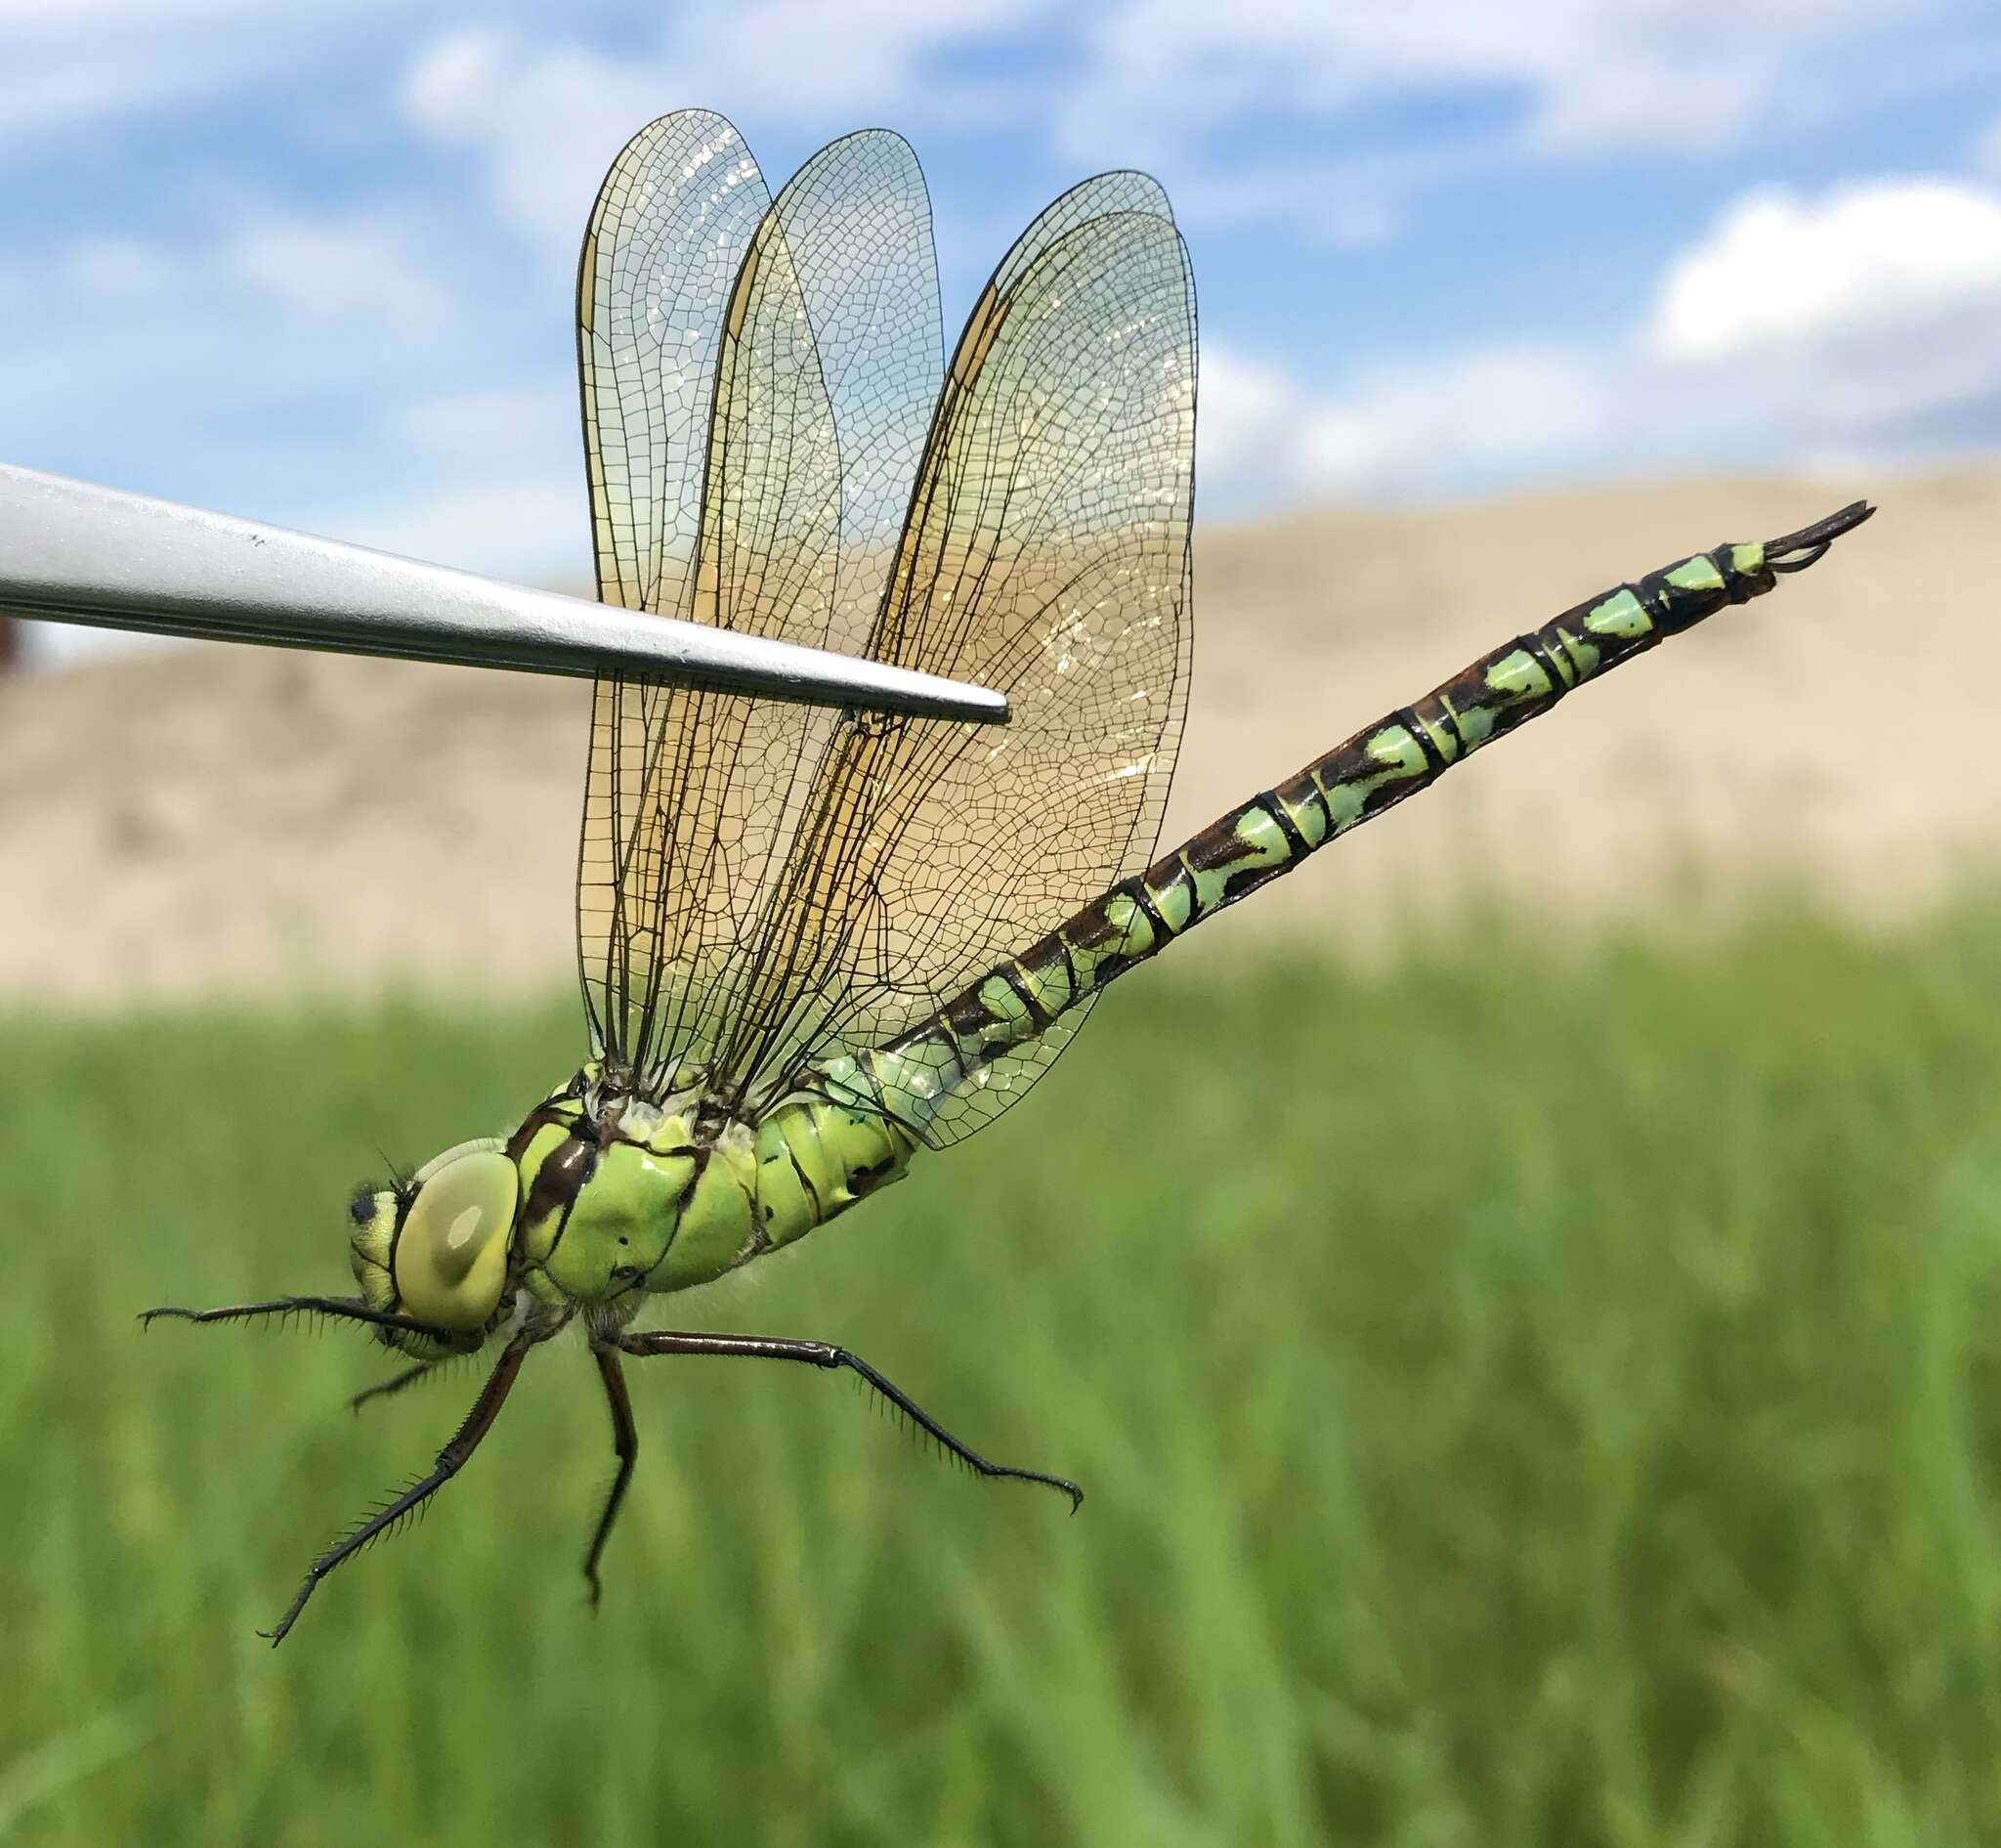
x: 451, y: 1255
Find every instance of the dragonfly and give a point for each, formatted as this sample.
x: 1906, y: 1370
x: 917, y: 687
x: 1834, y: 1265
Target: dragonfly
x: 814, y: 945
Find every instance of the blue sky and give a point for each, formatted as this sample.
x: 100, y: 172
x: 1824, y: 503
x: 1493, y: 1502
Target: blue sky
x: 314, y: 263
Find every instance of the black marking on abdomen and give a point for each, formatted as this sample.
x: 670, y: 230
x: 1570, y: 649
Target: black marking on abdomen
x: 1318, y: 801
x: 1178, y: 875
x: 1436, y: 760
x: 948, y: 1034
x: 812, y: 1192
x: 1069, y: 965
x: 1267, y: 800
x: 1143, y: 902
x: 1039, y: 1017
x: 1539, y: 652
x: 1655, y: 597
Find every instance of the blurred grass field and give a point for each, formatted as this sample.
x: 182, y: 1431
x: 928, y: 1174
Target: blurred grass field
x: 1543, y: 1394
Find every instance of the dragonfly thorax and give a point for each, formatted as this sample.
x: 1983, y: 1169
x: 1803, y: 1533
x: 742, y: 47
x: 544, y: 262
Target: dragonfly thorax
x: 625, y: 1194
x: 606, y: 1195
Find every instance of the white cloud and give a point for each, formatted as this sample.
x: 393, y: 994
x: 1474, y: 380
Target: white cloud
x: 548, y: 115
x: 1345, y: 204
x: 315, y: 366
x: 338, y: 282
x: 822, y: 64
x: 1856, y: 325
x: 1460, y: 419
x: 510, y: 516
x: 67, y: 64
x: 121, y: 269
x: 1986, y: 148
x: 1244, y: 406
x: 475, y: 426
x: 546, y: 120
x: 1587, y: 73
x: 1463, y: 419
x: 1872, y: 306
x: 44, y: 21
x: 371, y: 266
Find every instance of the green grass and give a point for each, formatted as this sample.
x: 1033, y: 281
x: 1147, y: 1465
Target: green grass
x: 1545, y: 1395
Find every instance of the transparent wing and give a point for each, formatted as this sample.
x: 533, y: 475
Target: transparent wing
x: 694, y: 797
x: 858, y: 222
x: 1047, y: 553
x: 665, y: 239
x: 1109, y: 678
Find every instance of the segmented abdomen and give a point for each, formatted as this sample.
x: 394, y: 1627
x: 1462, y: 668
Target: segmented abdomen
x: 1276, y: 829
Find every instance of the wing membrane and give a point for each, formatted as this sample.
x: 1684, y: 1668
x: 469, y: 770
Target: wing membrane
x: 660, y: 255
x: 762, y: 884
x: 858, y: 222
x: 695, y: 797
x: 1045, y: 553
x: 665, y: 239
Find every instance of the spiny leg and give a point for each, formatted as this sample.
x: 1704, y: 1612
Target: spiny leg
x: 344, y: 1308
x: 389, y: 1387
x: 450, y: 1460
x: 821, y: 1354
x: 625, y: 1442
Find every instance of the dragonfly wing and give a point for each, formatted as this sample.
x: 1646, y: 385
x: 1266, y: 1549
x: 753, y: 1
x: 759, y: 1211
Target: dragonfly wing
x: 666, y: 237
x: 695, y: 795
x: 1005, y: 1080
x: 1045, y: 553
x: 857, y: 222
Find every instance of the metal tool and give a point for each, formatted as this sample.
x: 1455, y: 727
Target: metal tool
x: 74, y: 552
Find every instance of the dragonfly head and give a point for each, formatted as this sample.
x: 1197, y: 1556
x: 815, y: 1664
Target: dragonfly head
x: 436, y: 1247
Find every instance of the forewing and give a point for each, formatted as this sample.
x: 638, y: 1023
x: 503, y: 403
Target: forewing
x: 858, y: 222
x: 1107, y: 683
x: 1045, y: 553
x: 714, y: 779
x: 665, y: 239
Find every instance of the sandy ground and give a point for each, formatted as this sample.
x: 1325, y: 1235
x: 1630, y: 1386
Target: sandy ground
x: 217, y: 820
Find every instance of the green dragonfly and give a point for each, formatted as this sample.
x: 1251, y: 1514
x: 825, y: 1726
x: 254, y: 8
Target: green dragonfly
x: 813, y: 943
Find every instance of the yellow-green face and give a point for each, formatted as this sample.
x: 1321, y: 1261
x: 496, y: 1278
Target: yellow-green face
x: 438, y: 1250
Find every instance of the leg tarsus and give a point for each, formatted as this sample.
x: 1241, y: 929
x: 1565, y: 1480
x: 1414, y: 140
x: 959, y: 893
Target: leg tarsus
x: 341, y: 1309
x: 625, y: 1444
x: 389, y: 1387
x: 450, y: 1460
x: 823, y: 1354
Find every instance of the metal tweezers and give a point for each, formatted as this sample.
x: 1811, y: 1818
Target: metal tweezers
x: 72, y: 552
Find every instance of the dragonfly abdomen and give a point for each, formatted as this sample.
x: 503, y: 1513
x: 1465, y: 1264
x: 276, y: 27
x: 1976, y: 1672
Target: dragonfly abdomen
x: 1020, y: 998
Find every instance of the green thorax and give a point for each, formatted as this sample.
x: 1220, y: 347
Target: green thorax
x: 619, y: 1194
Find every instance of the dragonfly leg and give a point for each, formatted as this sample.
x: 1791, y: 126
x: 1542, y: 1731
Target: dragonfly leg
x: 821, y: 1353
x: 344, y: 1308
x: 450, y: 1460
x: 626, y: 1442
x: 389, y: 1387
